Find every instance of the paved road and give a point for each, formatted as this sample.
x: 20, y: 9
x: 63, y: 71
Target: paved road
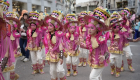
x: 24, y: 69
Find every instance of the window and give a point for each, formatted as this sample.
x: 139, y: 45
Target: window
x: 133, y: 2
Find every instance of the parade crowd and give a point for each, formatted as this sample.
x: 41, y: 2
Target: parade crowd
x: 51, y: 38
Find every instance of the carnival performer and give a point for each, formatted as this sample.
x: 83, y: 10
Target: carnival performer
x: 7, y: 53
x: 12, y: 19
x: 71, y: 47
x: 96, y: 42
x: 116, y: 45
x: 83, y: 33
x: 127, y: 32
x: 53, y: 46
x: 44, y: 31
x: 34, y: 43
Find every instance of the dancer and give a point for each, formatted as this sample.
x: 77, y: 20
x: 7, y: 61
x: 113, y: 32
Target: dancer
x: 96, y: 42
x: 53, y: 46
x: 116, y: 46
x: 43, y: 31
x: 83, y: 34
x: 127, y: 32
x: 71, y: 48
x: 7, y: 53
x: 12, y: 18
x: 34, y: 43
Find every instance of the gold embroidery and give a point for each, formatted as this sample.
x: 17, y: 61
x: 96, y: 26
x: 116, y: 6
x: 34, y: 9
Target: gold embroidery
x: 8, y: 68
x: 17, y: 55
x: 77, y: 53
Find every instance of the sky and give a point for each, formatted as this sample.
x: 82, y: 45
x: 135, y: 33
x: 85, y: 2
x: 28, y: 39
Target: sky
x: 79, y: 1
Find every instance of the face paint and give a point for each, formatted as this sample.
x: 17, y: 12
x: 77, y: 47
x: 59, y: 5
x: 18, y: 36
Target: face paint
x: 91, y: 29
x: 72, y: 29
x: 33, y: 26
x: 91, y: 26
x: 50, y: 27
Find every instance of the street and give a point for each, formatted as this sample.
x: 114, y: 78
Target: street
x: 25, y: 71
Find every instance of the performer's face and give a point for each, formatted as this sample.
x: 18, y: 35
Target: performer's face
x: 50, y: 27
x: 92, y: 29
x: 33, y: 26
x: 116, y: 29
x: 82, y: 22
x: 72, y: 29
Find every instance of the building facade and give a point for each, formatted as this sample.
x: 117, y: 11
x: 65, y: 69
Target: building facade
x: 86, y: 6
x: 119, y: 4
x: 40, y: 5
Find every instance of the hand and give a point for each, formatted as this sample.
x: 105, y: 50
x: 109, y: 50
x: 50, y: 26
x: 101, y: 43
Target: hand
x: 130, y: 31
x: 48, y: 62
x: 61, y: 61
x: 73, y: 52
x: 39, y: 48
x: 77, y: 42
x: 81, y: 40
x: 26, y: 48
x: 101, y: 58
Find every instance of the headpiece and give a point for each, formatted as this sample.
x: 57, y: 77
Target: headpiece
x: 5, y: 5
x: 99, y: 18
x: 12, y: 18
x: 127, y: 12
x: 33, y: 18
x: 57, y: 14
x: 70, y: 17
x: 54, y: 21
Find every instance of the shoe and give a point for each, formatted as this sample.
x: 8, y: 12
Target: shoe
x: 34, y: 72
x: 131, y: 68
x: 85, y: 64
x: 16, y: 76
x: 122, y: 69
x: 117, y: 74
x: 26, y: 59
x: 41, y: 71
x: 75, y: 73
x: 112, y: 71
x: 80, y: 64
x: 22, y: 58
x: 68, y: 73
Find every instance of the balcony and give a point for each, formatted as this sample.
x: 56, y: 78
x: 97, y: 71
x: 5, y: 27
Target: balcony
x: 60, y: 2
x: 118, y: 5
x: 49, y: 0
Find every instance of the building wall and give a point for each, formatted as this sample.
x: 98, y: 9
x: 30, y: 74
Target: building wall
x: 41, y: 5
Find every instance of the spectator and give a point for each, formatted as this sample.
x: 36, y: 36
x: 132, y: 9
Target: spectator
x: 137, y: 28
x: 23, y: 39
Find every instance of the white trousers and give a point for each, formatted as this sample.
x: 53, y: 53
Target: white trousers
x: 56, y: 69
x: 6, y: 75
x: 96, y: 74
x: 36, y: 56
x: 128, y: 52
x: 72, y: 60
x: 43, y: 54
x: 116, y: 59
x: 83, y: 53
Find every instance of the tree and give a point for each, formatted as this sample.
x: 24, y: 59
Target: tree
x: 71, y: 2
